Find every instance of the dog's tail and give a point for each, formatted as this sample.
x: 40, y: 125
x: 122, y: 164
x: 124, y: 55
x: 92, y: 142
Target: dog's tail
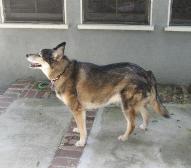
x: 154, y: 100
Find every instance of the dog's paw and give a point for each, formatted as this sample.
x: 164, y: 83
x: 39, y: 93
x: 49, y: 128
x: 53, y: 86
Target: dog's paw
x: 80, y: 143
x: 143, y: 127
x: 122, y: 138
x: 76, y: 130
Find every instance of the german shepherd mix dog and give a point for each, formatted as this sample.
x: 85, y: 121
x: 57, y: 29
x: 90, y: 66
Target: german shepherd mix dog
x: 84, y: 86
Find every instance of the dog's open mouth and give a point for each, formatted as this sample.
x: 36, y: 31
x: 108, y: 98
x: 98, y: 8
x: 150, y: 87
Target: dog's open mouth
x: 35, y: 65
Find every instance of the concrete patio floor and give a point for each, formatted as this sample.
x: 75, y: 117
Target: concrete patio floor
x: 166, y: 143
x: 36, y: 128
x: 31, y: 130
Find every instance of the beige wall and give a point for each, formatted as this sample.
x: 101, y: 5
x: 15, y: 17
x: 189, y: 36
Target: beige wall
x: 167, y: 54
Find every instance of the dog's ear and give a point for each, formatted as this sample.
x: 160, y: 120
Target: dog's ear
x: 59, y: 51
x: 63, y: 44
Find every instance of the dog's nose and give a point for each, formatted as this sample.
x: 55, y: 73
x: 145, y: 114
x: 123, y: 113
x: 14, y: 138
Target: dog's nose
x: 27, y: 55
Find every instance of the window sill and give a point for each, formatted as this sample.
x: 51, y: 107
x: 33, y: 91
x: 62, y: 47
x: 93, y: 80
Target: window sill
x: 178, y: 28
x: 33, y: 26
x: 116, y: 27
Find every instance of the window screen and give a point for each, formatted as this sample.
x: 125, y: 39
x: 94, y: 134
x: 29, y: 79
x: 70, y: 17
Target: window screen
x: 33, y: 10
x: 181, y: 12
x: 116, y: 11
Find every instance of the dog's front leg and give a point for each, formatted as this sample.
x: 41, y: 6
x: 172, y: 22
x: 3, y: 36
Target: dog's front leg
x: 79, y: 114
x: 80, y: 118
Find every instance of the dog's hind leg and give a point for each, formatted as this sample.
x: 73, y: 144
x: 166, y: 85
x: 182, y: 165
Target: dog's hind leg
x: 145, y: 116
x: 130, y: 117
x: 129, y: 114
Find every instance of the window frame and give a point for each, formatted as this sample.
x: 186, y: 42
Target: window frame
x: 87, y: 26
x: 26, y: 25
x: 175, y: 28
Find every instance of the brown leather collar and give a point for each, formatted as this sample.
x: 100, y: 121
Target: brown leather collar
x: 57, y: 78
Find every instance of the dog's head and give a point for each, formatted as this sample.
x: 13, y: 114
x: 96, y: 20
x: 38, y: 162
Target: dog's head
x: 51, y: 61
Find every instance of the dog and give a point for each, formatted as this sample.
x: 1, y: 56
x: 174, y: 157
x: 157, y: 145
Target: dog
x: 84, y: 86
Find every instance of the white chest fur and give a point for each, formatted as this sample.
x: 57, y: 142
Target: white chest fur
x: 62, y: 97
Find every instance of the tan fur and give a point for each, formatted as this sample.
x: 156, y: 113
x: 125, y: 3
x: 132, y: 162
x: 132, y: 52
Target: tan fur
x: 83, y: 86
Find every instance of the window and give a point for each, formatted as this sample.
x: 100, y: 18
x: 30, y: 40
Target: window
x: 33, y: 11
x: 135, y: 12
x: 181, y: 13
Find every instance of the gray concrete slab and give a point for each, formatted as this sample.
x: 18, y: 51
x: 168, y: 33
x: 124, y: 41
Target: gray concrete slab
x: 166, y: 143
x: 30, y: 131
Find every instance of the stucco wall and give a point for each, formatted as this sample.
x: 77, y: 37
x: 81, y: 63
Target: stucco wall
x: 167, y: 54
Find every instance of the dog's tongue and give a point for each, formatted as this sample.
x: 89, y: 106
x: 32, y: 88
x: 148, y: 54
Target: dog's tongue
x: 33, y: 65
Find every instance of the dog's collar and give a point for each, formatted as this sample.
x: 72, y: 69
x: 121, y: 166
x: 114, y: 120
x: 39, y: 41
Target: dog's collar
x: 57, y: 78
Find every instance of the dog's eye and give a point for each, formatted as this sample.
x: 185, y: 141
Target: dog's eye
x: 40, y: 54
